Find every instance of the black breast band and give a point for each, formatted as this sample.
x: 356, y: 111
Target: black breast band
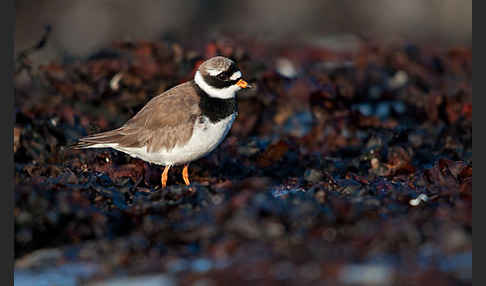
x: 214, y: 108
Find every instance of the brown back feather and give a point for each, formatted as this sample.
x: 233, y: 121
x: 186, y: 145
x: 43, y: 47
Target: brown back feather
x: 165, y: 121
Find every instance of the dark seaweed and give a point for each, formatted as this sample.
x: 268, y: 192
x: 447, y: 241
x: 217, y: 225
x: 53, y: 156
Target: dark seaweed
x: 357, y: 160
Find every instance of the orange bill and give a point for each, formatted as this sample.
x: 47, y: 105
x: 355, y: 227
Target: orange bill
x: 241, y: 83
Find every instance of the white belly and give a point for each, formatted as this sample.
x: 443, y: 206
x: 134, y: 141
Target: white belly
x: 205, y: 138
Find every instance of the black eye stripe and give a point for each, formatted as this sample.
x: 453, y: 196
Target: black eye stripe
x: 214, y: 81
x: 222, y: 79
x: 222, y: 76
x: 227, y: 74
x: 233, y: 68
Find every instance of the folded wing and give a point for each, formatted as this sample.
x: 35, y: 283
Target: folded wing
x: 164, y: 122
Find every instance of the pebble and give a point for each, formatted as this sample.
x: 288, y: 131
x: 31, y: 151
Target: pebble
x: 313, y: 175
x: 421, y: 198
x: 398, y: 80
x: 201, y: 265
x: 364, y: 274
x: 286, y: 68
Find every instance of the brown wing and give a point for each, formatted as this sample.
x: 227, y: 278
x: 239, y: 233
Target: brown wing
x: 165, y: 121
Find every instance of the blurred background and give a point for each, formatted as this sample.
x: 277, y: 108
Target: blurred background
x: 81, y: 27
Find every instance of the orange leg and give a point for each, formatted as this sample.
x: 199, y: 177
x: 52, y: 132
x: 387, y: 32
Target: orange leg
x: 185, y: 175
x: 164, y: 176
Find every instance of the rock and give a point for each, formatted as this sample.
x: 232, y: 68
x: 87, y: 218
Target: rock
x: 313, y: 175
x: 286, y: 68
x: 366, y: 274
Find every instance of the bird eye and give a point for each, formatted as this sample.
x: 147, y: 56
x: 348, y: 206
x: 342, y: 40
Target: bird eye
x: 221, y: 76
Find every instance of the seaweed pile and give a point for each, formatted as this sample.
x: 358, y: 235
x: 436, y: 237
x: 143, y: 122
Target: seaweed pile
x: 349, y: 166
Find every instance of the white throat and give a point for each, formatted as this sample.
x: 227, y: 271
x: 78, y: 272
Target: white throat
x: 224, y: 93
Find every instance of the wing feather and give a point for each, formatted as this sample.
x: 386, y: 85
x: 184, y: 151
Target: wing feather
x: 164, y: 122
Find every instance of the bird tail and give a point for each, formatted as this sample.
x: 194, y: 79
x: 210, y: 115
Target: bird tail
x: 99, y: 140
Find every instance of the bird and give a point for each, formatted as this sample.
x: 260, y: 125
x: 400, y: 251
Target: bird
x: 182, y: 124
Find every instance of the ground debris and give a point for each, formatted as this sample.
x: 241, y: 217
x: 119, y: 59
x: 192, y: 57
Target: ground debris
x: 342, y: 167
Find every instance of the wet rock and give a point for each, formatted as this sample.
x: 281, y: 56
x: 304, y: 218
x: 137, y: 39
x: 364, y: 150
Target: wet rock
x: 313, y: 175
x: 286, y: 68
x: 417, y: 201
x: 399, y: 79
x: 67, y: 274
x: 366, y: 274
x: 349, y: 187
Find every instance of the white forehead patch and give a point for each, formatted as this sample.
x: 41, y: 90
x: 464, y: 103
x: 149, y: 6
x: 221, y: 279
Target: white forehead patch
x: 213, y: 72
x: 235, y: 75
